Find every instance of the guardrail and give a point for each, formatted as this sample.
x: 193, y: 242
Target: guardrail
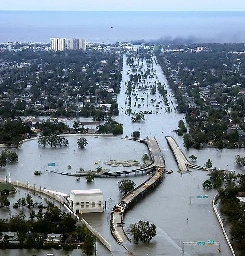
x: 222, y: 225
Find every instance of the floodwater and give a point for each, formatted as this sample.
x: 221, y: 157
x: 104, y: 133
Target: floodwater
x: 173, y: 207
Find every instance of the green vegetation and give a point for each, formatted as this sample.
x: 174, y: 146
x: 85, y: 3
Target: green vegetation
x: 142, y: 231
x: 208, y: 164
x: 193, y: 158
x: 32, y: 231
x: 111, y: 126
x: 8, y: 156
x: 182, y: 129
x: 52, y: 126
x: 240, y: 161
x: 208, y: 83
x: 52, y: 141
x: 13, y: 132
x: 86, y: 77
x: 7, y: 186
x: 125, y: 186
x: 90, y: 177
x: 138, y: 117
x: 145, y: 157
x: 136, y: 135
x: 230, y: 186
x: 82, y: 142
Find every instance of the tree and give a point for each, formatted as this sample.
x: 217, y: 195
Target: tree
x: 76, y: 126
x: 29, y: 201
x: 88, y: 243
x: 53, y: 140
x: 240, y: 161
x: 85, y: 235
x: 187, y: 140
x: 82, y: 142
x: 90, y: 177
x: 182, y: 129
x: 125, y: 186
x: 207, y: 184
x: 209, y: 163
x: 145, y: 158
x: 136, y: 135
x: 142, y: 231
x: 8, y: 156
x: 111, y: 126
x: 12, y: 132
x: 193, y: 158
x: 138, y: 117
x: 4, y: 202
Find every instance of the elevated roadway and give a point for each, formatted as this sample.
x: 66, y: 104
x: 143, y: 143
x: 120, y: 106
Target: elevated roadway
x: 158, y: 170
x: 180, y: 158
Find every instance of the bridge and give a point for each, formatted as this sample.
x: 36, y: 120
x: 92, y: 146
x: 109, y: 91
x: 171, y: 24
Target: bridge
x: 158, y: 170
x: 180, y: 158
x: 182, y: 162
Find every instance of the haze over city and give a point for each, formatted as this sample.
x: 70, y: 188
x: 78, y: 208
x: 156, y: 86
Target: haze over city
x: 126, y: 5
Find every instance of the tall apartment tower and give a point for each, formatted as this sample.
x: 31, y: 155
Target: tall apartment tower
x: 76, y: 44
x: 58, y: 44
x: 82, y: 44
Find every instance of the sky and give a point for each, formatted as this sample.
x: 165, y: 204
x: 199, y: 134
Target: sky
x: 124, y: 5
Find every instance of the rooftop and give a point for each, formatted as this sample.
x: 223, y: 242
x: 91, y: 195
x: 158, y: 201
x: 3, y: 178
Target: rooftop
x: 87, y: 191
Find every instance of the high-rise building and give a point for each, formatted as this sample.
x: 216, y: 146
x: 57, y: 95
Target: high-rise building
x: 58, y: 44
x: 82, y: 44
x: 76, y: 44
x: 72, y: 44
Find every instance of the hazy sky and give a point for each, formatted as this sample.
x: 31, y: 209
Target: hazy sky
x: 123, y: 5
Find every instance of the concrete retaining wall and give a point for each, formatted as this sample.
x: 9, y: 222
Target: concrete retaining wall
x: 222, y: 225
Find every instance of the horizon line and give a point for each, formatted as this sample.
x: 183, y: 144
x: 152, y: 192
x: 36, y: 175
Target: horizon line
x: 169, y: 10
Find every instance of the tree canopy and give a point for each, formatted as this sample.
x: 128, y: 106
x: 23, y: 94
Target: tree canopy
x: 13, y: 132
x: 142, y: 231
x: 82, y: 142
x: 125, y: 186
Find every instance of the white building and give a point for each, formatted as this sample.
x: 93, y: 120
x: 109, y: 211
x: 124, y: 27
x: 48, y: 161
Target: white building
x: 84, y: 201
x: 82, y: 44
x: 76, y: 44
x: 58, y: 44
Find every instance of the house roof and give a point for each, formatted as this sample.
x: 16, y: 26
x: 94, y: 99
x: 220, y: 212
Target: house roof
x: 87, y: 191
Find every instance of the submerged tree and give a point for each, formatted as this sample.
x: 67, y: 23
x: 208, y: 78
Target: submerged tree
x: 53, y: 140
x: 193, y: 158
x: 136, y: 135
x: 138, y: 117
x: 142, y: 231
x: 209, y: 163
x: 90, y: 177
x: 8, y: 156
x: 240, y: 161
x: 82, y: 142
x: 125, y: 186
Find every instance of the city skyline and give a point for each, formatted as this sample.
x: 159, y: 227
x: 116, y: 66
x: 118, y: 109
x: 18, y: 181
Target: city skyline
x: 126, y: 5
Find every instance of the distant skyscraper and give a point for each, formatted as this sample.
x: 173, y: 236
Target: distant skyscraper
x: 76, y: 44
x: 58, y: 44
x: 72, y: 44
x: 82, y: 44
